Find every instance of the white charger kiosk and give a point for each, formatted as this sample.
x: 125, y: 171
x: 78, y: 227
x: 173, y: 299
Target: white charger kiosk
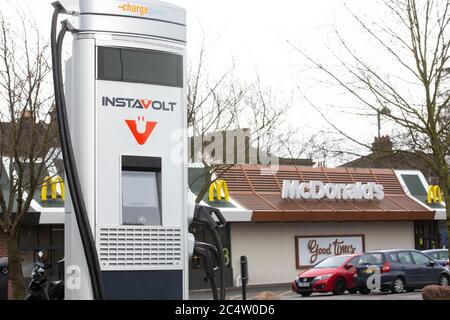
x: 125, y: 86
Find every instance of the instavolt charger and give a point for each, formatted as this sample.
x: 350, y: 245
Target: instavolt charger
x: 126, y: 126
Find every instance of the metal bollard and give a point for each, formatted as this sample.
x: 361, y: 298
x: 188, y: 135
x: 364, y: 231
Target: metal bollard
x: 244, y: 276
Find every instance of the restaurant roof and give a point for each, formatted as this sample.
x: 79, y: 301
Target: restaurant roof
x: 258, y: 188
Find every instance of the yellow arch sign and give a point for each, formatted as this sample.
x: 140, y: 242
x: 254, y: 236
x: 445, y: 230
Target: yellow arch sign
x: 434, y: 194
x: 218, y: 186
x: 52, y: 182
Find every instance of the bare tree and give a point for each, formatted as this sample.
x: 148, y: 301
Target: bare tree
x: 28, y: 141
x: 411, y: 95
x: 322, y: 146
x: 213, y: 106
x: 231, y: 121
x: 265, y: 116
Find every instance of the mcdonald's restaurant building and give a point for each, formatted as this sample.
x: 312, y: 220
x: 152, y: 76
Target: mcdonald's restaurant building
x: 287, y: 218
x: 275, y: 220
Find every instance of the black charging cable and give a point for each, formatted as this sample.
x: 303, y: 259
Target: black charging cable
x: 204, y: 216
x: 203, y: 251
x: 70, y: 167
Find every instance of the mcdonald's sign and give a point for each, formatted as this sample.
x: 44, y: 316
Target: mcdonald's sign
x: 52, y: 182
x: 218, y: 186
x: 434, y: 194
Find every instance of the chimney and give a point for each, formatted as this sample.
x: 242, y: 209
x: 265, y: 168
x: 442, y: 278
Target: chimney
x: 382, y: 146
x: 26, y: 114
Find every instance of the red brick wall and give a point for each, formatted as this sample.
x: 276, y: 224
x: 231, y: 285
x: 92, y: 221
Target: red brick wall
x: 4, y: 253
x: 10, y: 291
x: 3, y: 249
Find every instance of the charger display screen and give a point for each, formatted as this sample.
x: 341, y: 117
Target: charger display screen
x: 141, y: 191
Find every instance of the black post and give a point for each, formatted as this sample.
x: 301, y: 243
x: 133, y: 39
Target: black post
x: 3, y: 280
x: 244, y: 276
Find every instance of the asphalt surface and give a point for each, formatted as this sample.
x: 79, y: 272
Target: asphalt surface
x: 285, y: 293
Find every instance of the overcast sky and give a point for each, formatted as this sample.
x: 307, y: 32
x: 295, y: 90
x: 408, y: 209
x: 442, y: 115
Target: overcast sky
x: 256, y: 33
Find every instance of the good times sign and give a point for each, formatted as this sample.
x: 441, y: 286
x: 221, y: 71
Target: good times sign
x: 310, y: 250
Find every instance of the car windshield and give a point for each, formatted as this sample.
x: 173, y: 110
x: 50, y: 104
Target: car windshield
x: 438, y: 255
x: 333, y: 262
x: 371, y: 258
x: 434, y: 255
x: 443, y: 255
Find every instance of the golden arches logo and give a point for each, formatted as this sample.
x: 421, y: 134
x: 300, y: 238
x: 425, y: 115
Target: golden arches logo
x: 218, y: 186
x: 52, y: 182
x: 434, y: 194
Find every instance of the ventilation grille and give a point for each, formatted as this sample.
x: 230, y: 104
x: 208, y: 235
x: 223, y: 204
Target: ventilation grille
x: 139, y: 248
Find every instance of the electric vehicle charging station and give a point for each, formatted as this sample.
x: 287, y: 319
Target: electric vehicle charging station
x: 126, y: 116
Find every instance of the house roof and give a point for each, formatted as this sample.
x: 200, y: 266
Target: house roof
x: 258, y: 188
x: 384, y: 156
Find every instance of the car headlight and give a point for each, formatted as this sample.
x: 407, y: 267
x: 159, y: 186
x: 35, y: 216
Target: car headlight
x: 324, y: 277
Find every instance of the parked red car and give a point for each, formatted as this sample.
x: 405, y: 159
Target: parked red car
x: 334, y: 274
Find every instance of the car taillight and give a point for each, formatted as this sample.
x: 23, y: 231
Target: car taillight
x: 386, y: 267
x: 446, y: 264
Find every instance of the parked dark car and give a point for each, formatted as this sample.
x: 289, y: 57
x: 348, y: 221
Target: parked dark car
x: 400, y: 270
x: 439, y: 255
x: 4, y: 265
x: 3, y: 279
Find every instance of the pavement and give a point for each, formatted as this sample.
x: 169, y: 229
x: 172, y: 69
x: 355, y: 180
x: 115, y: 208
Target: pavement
x: 285, y: 293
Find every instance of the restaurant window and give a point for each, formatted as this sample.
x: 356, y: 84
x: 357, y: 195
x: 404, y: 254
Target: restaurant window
x: 58, y: 237
x: 414, y: 184
x: 44, y: 237
x: 28, y: 238
x: 27, y: 262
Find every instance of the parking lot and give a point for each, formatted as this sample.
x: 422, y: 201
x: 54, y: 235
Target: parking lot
x: 285, y: 293
x: 373, y: 296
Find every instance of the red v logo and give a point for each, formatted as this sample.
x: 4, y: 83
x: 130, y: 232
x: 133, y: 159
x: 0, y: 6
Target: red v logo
x: 146, y: 103
x: 141, y: 138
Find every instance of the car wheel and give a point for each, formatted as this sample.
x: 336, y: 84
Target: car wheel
x: 339, y: 287
x: 364, y: 290
x: 398, y: 285
x: 443, y: 280
x: 305, y: 293
x: 352, y: 291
